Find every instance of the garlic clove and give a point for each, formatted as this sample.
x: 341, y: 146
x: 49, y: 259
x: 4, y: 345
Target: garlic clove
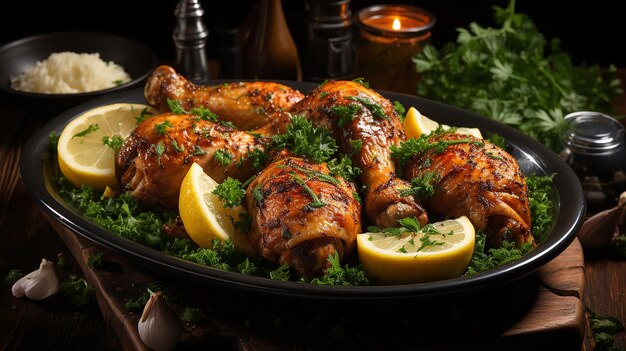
x: 159, y: 326
x: 599, y: 229
x: 39, y: 284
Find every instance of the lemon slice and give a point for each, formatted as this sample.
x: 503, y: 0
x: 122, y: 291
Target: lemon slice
x: 415, y: 124
x: 427, y: 255
x: 203, y: 214
x: 83, y: 156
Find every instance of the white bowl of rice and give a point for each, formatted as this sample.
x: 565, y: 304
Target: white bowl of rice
x: 56, y: 71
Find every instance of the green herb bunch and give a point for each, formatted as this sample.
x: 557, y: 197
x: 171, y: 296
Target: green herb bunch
x: 513, y: 75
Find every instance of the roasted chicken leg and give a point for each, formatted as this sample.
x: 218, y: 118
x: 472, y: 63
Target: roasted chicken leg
x: 301, y: 215
x: 248, y: 105
x: 366, y: 125
x: 475, y: 178
x: 155, y: 158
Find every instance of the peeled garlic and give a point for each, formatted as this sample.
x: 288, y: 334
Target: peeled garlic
x: 159, y: 326
x: 39, y: 284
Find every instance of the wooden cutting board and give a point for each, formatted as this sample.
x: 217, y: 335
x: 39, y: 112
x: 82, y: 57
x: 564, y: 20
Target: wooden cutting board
x: 542, y: 311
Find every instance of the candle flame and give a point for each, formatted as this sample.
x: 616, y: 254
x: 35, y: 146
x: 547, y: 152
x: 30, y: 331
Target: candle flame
x: 396, y: 24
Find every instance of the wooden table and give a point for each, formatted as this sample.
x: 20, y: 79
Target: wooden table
x: 26, y: 236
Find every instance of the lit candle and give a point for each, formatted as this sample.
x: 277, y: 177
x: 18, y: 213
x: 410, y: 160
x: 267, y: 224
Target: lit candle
x: 389, y: 36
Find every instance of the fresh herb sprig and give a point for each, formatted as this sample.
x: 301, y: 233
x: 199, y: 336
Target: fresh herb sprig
x: 511, y: 74
x: 306, y: 140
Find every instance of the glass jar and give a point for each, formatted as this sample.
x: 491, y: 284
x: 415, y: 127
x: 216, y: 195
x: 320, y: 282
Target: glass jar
x: 595, y: 147
x: 388, y: 38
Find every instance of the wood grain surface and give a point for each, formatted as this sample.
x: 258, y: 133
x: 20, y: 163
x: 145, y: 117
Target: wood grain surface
x: 26, y: 237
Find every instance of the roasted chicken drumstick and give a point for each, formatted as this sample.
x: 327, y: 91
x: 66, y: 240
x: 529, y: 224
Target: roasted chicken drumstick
x: 248, y: 105
x: 301, y: 215
x: 475, y: 178
x: 365, y: 125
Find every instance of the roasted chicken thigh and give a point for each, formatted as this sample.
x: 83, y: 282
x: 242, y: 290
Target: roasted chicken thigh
x: 301, y: 214
x: 473, y: 177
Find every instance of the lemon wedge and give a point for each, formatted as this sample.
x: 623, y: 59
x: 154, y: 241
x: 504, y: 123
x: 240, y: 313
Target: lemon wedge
x: 436, y: 252
x: 415, y: 124
x: 84, y: 157
x: 203, y: 213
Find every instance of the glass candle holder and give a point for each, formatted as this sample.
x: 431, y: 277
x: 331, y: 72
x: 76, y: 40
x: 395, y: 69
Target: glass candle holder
x: 388, y: 38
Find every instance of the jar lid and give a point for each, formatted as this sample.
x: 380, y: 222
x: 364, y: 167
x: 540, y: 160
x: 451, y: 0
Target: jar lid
x: 417, y: 21
x: 594, y: 133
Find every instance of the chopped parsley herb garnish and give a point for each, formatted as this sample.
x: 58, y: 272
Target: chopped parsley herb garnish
x: 426, y: 242
x: 422, y: 186
x: 92, y: 128
x: 281, y: 273
x: 159, y: 149
x: 230, y: 191
x: 176, y: 107
x: 114, y: 142
x: 338, y: 275
x: 161, y: 128
x: 223, y: 157
x: 400, y: 109
x: 323, y: 94
x: 268, y: 96
x: 356, y: 145
x: 493, y: 156
x: 12, y: 276
x: 374, y: 108
x: 306, y: 140
x: 204, y: 114
x: 258, y: 157
x: 361, y: 81
x: 143, y: 115
x: 257, y: 194
x: 344, y: 168
x: 316, y: 203
x: 192, y: 314
x: 176, y: 147
x: 95, y: 260
x: 409, y: 224
x: 317, y: 174
x: 228, y: 124
x: 118, y: 82
x: 345, y: 113
x: 197, y: 150
x: 413, y: 146
x: 77, y: 289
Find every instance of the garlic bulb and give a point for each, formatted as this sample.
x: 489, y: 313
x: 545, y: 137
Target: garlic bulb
x: 39, y: 284
x: 159, y: 326
x: 600, y: 229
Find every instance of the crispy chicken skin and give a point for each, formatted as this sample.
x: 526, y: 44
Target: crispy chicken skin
x: 155, y: 158
x: 248, y: 105
x: 289, y: 227
x: 479, y: 180
x: 375, y: 124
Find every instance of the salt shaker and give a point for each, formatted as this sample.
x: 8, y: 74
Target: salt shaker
x: 190, y: 35
x: 595, y: 147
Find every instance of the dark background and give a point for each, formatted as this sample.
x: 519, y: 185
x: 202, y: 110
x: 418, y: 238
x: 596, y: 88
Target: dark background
x: 593, y: 32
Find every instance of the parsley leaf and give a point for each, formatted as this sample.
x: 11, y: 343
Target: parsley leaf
x: 338, y: 275
x: 161, y: 128
x: 92, y: 128
x: 230, y: 191
x: 346, y: 114
x: 344, y: 168
x: 223, y: 157
x: 114, y: 142
x: 78, y: 289
x: 511, y: 74
x: 306, y: 140
x: 12, y: 276
x: 422, y: 186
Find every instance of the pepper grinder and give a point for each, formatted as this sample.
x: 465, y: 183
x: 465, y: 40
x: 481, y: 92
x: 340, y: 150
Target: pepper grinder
x: 190, y: 35
x: 330, y: 52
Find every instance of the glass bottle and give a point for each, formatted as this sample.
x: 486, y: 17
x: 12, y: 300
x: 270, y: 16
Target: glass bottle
x: 270, y: 52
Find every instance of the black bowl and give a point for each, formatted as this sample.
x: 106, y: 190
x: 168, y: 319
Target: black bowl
x: 137, y: 59
x: 533, y: 158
